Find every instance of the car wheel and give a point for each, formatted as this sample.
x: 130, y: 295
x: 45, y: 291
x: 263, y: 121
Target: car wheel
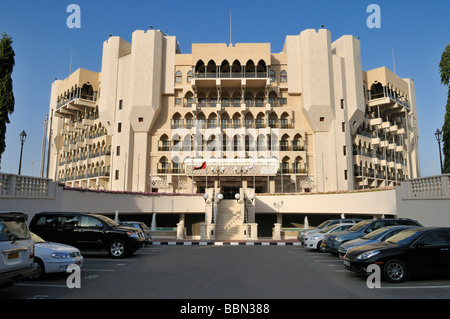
x: 394, y: 271
x: 39, y: 271
x: 321, y: 248
x: 117, y: 248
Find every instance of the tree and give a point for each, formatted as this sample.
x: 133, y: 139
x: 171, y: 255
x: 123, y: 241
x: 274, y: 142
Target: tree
x: 444, y: 68
x: 6, y: 87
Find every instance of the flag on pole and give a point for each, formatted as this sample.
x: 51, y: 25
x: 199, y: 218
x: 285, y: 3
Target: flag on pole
x: 203, y: 166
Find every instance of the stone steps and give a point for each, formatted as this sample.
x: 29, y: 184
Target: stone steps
x: 229, y: 224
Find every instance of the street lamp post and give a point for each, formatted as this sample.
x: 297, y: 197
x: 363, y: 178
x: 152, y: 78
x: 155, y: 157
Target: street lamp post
x: 23, y: 137
x: 438, y: 135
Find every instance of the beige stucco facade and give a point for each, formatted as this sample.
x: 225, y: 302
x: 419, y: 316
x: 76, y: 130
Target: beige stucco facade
x: 325, y: 122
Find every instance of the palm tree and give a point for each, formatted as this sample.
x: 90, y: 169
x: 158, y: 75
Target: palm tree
x: 6, y: 87
x: 444, y: 68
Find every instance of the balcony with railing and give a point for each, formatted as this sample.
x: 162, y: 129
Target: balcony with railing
x: 82, y: 96
x: 376, y: 95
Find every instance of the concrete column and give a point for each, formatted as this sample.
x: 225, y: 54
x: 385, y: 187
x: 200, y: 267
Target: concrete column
x: 272, y: 186
x: 276, y: 235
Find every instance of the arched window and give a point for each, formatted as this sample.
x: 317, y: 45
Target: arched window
x: 87, y: 91
x: 299, y: 166
x: 200, y: 69
x: 261, y: 69
x: 189, y: 77
x: 284, y: 167
x: 236, y: 69
x: 283, y: 76
x: 250, y: 69
x: 163, y: 165
x: 164, y: 144
x: 178, y: 76
x: 225, y: 69
x: 211, y: 69
x: 272, y: 76
x: 376, y: 90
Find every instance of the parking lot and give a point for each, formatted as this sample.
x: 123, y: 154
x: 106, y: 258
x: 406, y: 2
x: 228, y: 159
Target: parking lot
x: 222, y: 272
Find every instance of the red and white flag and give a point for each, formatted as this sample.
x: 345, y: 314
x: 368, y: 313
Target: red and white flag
x: 203, y: 166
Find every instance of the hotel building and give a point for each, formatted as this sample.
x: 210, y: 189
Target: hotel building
x: 231, y: 117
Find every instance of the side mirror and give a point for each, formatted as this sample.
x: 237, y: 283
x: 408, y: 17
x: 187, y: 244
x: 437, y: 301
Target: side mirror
x: 99, y: 226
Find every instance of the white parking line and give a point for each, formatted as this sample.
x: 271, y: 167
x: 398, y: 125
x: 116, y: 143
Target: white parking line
x: 41, y: 285
x: 415, y: 287
x: 106, y: 259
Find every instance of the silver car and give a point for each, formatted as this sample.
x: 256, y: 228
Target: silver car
x: 302, y: 234
x: 139, y: 225
x: 16, y: 248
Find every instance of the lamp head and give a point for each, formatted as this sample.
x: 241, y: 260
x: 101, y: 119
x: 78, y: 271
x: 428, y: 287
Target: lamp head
x: 438, y: 135
x: 23, y: 136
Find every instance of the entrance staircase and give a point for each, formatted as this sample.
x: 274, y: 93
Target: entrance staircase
x: 229, y: 223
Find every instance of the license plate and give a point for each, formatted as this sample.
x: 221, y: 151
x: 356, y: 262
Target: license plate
x: 13, y: 255
x: 346, y: 263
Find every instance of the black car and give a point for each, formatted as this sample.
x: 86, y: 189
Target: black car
x: 413, y: 251
x: 88, y: 231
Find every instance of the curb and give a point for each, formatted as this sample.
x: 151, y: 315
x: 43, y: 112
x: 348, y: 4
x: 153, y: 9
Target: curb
x: 220, y: 243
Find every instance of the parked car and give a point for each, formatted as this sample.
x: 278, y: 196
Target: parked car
x: 52, y: 257
x: 88, y: 231
x: 418, y: 250
x: 302, y: 234
x: 16, y: 248
x: 139, y: 225
x: 376, y: 236
x: 332, y: 242
x: 314, y: 240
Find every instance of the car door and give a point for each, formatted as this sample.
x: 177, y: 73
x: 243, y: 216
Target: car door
x: 65, y: 229
x: 88, y: 232
x: 46, y: 226
x: 431, y: 253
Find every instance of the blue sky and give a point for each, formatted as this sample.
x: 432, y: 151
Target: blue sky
x: 417, y: 31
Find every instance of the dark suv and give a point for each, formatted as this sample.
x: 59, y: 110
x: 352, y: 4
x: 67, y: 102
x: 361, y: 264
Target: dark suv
x: 331, y: 242
x: 88, y: 231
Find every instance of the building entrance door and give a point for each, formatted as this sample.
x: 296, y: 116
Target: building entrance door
x: 228, y: 192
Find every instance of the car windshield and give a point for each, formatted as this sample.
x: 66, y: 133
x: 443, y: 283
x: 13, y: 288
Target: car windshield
x: 37, y: 239
x: 327, y: 229
x: 405, y: 237
x: 107, y: 220
x: 376, y: 233
x: 359, y: 225
x: 13, y: 229
x: 322, y: 225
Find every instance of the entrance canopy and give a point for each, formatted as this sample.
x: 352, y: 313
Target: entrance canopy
x: 231, y: 167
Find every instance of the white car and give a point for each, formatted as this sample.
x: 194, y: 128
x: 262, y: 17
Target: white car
x: 314, y: 240
x: 53, y: 257
x: 16, y: 248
